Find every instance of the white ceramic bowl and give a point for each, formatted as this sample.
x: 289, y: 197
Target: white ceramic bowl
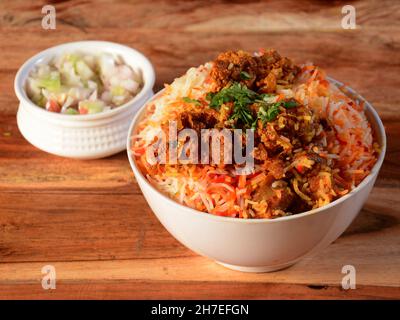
x: 81, y: 136
x: 260, y: 245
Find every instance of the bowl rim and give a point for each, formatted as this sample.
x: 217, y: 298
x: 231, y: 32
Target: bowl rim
x: 23, y: 72
x: 373, y: 118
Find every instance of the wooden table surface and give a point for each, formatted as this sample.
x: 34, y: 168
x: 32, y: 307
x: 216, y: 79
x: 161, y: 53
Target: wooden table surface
x: 89, y: 219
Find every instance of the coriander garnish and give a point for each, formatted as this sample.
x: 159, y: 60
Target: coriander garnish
x: 242, y: 98
x: 193, y: 101
x: 245, y: 75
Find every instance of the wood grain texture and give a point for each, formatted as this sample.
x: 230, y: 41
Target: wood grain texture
x: 89, y: 219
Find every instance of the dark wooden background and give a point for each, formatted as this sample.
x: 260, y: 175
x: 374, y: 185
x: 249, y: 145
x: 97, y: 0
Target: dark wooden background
x: 89, y: 218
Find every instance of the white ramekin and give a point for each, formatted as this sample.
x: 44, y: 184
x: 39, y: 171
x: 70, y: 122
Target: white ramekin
x: 81, y: 136
x: 260, y: 245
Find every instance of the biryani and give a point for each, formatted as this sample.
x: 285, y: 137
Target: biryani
x: 311, y: 143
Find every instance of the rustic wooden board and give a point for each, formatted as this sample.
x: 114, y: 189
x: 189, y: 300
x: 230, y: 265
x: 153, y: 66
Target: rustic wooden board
x: 89, y: 219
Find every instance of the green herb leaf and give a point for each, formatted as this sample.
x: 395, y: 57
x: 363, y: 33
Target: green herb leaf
x: 193, y: 101
x: 236, y: 93
x: 290, y: 104
x: 245, y: 75
x: 269, y: 114
x: 264, y: 96
x: 242, y: 98
x: 242, y: 114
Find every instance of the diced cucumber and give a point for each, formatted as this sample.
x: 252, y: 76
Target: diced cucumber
x: 89, y: 107
x: 73, y: 58
x: 118, y: 91
x: 52, y: 82
x: 32, y: 87
x: 71, y: 111
x: 40, y: 100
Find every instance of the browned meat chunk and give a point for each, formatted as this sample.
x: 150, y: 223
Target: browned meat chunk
x: 298, y: 125
x: 234, y: 66
x: 198, y: 120
x: 260, y: 73
x: 273, y: 70
x: 278, y: 198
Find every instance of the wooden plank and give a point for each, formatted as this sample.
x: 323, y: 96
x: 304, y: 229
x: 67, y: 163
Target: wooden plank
x: 151, y: 290
x: 323, y: 269
x: 24, y: 168
x: 200, y: 15
x: 68, y: 227
x: 108, y: 227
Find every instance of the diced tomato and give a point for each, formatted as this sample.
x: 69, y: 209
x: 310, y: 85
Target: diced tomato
x: 83, y: 110
x: 300, y: 168
x: 53, y: 106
